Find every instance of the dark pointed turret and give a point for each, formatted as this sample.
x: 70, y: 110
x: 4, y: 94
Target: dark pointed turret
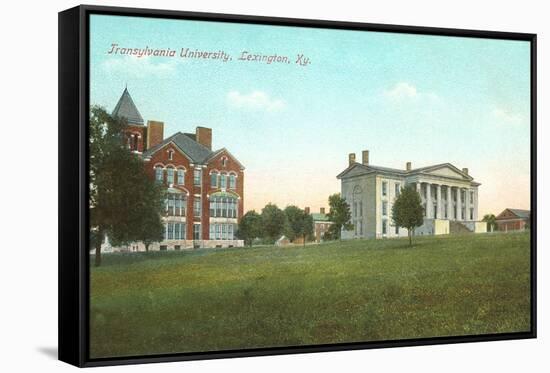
x: 125, y: 108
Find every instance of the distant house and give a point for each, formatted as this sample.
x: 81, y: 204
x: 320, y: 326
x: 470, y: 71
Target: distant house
x: 321, y: 224
x: 513, y: 220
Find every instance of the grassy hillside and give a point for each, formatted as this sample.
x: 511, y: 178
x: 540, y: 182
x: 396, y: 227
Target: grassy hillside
x: 165, y: 302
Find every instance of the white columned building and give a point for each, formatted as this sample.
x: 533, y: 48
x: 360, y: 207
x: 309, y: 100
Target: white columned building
x: 440, y: 186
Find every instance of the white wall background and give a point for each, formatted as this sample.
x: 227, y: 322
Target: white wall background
x: 28, y: 188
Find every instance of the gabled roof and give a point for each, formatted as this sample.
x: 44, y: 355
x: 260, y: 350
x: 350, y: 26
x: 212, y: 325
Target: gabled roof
x: 319, y: 217
x: 196, y: 152
x: 125, y: 108
x: 223, y: 150
x: 361, y: 169
x: 523, y: 214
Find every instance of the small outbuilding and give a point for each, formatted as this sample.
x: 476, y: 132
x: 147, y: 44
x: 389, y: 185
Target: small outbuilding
x: 282, y: 241
x: 513, y: 220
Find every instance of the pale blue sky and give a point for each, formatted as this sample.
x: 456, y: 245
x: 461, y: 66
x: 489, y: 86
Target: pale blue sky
x: 425, y: 99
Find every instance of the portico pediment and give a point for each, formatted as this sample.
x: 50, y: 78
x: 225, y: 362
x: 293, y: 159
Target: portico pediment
x: 448, y: 171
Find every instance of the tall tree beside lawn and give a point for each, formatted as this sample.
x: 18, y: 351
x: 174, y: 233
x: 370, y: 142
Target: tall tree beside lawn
x: 124, y: 203
x: 491, y: 221
x: 250, y: 227
x: 340, y: 215
x: 299, y: 223
x: 407, y: 210
x: 273, y: 221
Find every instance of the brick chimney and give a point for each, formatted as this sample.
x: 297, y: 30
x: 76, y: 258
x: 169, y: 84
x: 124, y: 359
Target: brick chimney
x: 306, y: 210
x: 322, y: 210
x: 365, y: 157
x: 351, y: 158
x: 465, y: 170
x: 204, y: 136
x: 409, y: 166
x: 155, y: 133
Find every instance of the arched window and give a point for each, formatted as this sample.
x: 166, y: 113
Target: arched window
x: 159, y: 174
x: 223, y: 181
x: 170, y: 154
x: 181, y: 176
x: 214, y: 179
x: 223, y: 205
x: 224, y: 161
x: 232, y: 181
x: 170, y: 175
x: 176, y: 204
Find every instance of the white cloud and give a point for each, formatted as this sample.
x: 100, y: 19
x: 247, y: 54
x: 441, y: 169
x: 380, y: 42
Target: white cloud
x: 139, y: 66
x: 256, y: 100
x: 506, y: 116
x: 402, y: 90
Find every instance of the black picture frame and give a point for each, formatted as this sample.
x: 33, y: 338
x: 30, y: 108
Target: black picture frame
x: 73, y: 250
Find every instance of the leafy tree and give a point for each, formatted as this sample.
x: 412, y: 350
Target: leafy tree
x: 340, y: 215
x: 124, y: 203
x: 294, y: 217
x: 491, y: 221
x: 407, y: 210
x: 273, y: 221
x: 250, y: 227
x: 307, y: 227
x: 298, y: 223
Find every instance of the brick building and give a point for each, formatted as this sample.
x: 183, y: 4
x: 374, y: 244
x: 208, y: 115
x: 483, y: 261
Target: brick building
x: 513, y: 220
x: 205, y: 187
x: 321, y: 224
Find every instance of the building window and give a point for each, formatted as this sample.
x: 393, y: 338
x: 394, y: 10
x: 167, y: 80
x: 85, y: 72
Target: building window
x: 384, y: 208
x: 175, y: 204
x: 471, y: 197
x: 384, y: 226
x: 384, y: 188
x: 396, y: 229
x: 354, y: 209
x: 181, y: 176
x: 159, y: 174
x: 232, y: 181
x: 223, y: 181
x: 397, y: 189
x: 223, y: 207
x: 224, y: 161
x: 171, y: 154
x: 230, y: 232
x: 196, y: 231
x: 170, y: 176
x: 471, y: 214
x: 170, y: 230
x: 214, y: 180
x: 218, y: 231
x: 360, y: 208
x: 197, y: 207
x: 197, y: 177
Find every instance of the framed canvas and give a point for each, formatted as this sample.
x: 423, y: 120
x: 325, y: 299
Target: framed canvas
x: 238, y: 185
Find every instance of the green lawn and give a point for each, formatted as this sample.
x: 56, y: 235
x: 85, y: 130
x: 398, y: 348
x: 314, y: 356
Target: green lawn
x: 364, y: 290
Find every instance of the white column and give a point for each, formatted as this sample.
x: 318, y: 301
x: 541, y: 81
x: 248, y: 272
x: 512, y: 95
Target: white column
x: 458, y: 204
x: 475, y: 204
x: 429, y: 202
x: 449, y: 203
x: 467, y: 194
x: 438, y: 196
